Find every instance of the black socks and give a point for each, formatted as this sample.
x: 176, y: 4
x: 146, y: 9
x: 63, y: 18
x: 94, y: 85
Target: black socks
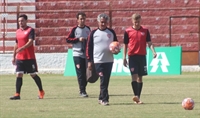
x: 137, y: 88
x: 38, y: 82
x: 18, y: 84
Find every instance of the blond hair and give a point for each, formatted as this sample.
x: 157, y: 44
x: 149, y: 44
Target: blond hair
x: 136, y: 16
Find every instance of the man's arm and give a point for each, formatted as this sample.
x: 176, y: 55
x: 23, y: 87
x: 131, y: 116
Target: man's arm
x: 89, y: 47
x: 152, y: 49
x: 150, y: 44
x: 71, y: 36
x: 14, y: 54
x: 126, y: 41
x: 89, y: 50
x: 28, y: 44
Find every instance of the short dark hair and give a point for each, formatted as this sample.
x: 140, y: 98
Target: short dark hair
x: 24, y: 16
x: 80, y: 13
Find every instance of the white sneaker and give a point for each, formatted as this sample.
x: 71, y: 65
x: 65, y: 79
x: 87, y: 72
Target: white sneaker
x: 104, y: 103
x: 84, y: 94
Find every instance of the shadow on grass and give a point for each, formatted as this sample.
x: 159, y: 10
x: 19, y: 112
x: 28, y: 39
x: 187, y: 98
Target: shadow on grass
x: 132, y: 103
x: 164, y: 103
x: 121, y: 95
x: 72, y: 97
x: 142, y: 94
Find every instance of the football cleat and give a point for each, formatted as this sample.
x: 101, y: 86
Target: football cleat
x: 15, y: 98
x: 41, y: 95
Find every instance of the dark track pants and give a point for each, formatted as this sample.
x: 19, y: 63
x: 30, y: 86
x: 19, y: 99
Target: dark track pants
x: 104, y: 71
x: 80, y: 65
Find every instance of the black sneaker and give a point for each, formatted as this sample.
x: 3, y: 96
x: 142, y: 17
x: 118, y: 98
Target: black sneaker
x: 83, y: 94
x: 15, y: 98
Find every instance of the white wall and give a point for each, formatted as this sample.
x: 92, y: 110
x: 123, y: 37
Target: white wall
x: 47, y: 63
x: 55, y: 63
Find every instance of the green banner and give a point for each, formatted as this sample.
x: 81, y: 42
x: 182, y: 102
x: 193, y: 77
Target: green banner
x: 118, y: 68
x: 168, y: 62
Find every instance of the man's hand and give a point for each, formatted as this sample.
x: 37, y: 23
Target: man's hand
x: 13, y: 61
x: 90, y: 65
x: 154, y: 55
x: 81, y: 39
x: 19, y: 49
x: 125, y: 63
x: 116, y: 51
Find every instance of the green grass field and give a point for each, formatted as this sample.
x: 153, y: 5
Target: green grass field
x: 162, y: 97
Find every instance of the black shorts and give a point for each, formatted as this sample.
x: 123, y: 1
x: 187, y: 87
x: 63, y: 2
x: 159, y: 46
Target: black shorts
x: 26, y: 66
x: 138, y: 65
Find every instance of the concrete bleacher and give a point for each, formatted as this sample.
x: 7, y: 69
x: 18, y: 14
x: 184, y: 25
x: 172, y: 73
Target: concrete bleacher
x: 54, y: 19
x: 10, y: 23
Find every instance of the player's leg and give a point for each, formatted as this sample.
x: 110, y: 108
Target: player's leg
x: 99, y: 70
x: 107, y: 68
x: 104, y: 71
x: 140, y: 85
x: 133, y: 66
x: 83, y: 80
x: 80, y: 67
x: 142, y: 71
x: 38, y: 82
x: 135, y: 87
x: 134, y: 84
x: 31, y: 68
x: 19, y: 80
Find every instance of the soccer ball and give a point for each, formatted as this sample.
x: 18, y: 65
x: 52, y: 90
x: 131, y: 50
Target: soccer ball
x: 114, y: 47
x: 188, y: 103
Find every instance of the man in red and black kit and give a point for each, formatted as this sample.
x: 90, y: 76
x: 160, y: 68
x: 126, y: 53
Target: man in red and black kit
x: 24, y: 57
x: 135, y: 39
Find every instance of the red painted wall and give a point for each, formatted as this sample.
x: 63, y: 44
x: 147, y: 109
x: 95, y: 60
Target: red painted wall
x: 155, y: 15
x: 55, y: 18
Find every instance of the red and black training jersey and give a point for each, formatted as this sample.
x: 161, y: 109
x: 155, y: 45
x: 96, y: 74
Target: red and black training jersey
x: 22, y: 37
x: 136, y: 40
